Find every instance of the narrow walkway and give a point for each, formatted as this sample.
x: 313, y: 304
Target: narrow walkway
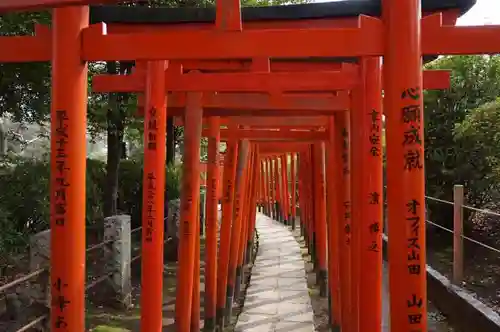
x: 277, y: 299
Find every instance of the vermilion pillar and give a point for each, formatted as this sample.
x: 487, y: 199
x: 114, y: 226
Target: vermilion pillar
x: 293, y: 188
x: 225, y: 232
x: 248, y: 200
x: 67, y: 163
x: 155, y: 118
x: 356, y: 170
x: 306, y: 175
x: 239, y: 194
x: 311, y: 170
x: 250, y: 186
x: 370, y: 129
x: 301, y: 189
x: 253, y: 212
x: 195, y: 306
x: 272, y: 193
x: 284, y: 181
x: 405, y: 165
x: 213, y: 179
x: 320, y: 216
x: 263, y: 185
x: 189, y: 228
x: 277, y: 186
x: 342, y: 129
x: 302, y: 196
x: 279, y: 182
x: 334, y: 205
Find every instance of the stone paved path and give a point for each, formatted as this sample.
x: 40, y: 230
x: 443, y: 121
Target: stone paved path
x: 277, y: 299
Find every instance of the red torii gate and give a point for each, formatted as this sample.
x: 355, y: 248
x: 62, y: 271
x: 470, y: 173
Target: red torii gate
x: 403, y: 48
x: 125, y: 82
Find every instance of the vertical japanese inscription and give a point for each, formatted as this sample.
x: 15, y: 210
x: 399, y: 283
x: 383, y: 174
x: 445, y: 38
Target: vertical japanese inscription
x: 345, y: 167
x: 213, y: 159
x: 412, y: 142
x: 228, y: 188
x: 374, y: 137
x: 152, y: 128
x: 187, y: 205
x: 60, y: 185
x: 151, y: 213
x: 60, y: 302
x: 374, y: 196
x: 413, y: 153
x: 61, y: 181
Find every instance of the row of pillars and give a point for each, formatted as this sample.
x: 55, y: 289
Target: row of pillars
x: 227, y: 251
x: 347, y: 246
x: 341, y: 199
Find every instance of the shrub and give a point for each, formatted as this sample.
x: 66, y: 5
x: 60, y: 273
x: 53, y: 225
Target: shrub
x: 25, y: 203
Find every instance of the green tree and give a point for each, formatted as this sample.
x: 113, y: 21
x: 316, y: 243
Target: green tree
x: 25, y: 92
x: 478, y: 136
x: 475, y: 80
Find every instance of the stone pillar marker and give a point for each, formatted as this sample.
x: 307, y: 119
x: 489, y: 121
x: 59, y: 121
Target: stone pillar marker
x: 117, y: 255
x: 40, y: 259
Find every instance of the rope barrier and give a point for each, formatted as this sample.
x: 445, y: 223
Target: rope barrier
x: 439, y: 200
x: 7, y: 286
x: 33, y: 323
x: 440, y: 226
x: 36, y: 321
x: 466, y: 237
x: 491, y: 213
x: 22, y: 279
x: 481, y: 244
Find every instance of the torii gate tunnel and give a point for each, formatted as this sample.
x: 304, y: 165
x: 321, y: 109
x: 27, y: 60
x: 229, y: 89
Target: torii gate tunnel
x: 298, y: 90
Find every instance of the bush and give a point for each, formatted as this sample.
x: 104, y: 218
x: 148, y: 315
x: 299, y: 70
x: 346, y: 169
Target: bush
x: 25, y: 204
x: 130, y: 191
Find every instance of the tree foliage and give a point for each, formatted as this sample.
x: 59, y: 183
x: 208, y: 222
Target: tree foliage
x: 25, y: 208
x: 452, y: 126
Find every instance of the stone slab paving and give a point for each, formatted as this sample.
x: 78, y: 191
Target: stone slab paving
x: 277, y: 298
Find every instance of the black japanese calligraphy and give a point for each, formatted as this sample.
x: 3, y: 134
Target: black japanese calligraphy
x: 152, y: 128
x: 415, y: 318
x: 414, y: 269
x: 411, y: 114
x: 374, y: 137
x: 415, y: 301
x: 412, y: 206
x: 374, y: 227
x: 60, y: 302
x: 413, y: 160
x: 412, y: 136
x: 61, y: 323
x: 60, y: 180
x: 150, y: 206
x: 412, y: 93
x: 374, y: 247
x: 374, y: 198
x: 413, y: 223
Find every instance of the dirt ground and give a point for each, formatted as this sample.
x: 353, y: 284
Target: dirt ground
x: 481, y: 267
x: 104, y: 316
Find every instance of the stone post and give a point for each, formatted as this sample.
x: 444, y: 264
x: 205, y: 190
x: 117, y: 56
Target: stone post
x: 117, y: 256
x: 40, y: 259
x: 39, y: 288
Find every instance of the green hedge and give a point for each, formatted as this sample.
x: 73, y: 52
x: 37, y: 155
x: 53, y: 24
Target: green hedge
x: 24, y: 198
